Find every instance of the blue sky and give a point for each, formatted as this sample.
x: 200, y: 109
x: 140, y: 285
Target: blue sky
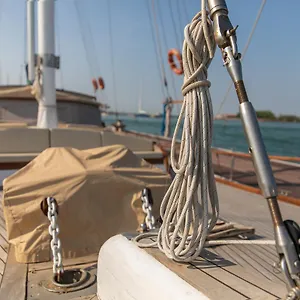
x: 271, y: 66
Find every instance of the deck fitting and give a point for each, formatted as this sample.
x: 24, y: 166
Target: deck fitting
x: 71, y: 280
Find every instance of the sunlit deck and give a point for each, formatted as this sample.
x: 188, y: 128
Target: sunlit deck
x: 224, y: 272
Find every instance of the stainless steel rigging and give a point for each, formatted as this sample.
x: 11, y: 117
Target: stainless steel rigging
x: 287, y: 233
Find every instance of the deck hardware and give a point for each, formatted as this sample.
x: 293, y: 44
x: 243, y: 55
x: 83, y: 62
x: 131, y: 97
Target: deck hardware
x: 48, y: 60
x: 63, y: 281
x: 71, y: 281
x: 147, y: 202
x: 287, y: 233
x: 55, y: 243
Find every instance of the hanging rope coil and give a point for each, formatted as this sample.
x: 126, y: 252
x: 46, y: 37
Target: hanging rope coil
x: 185, y: 207
x: 190, y: 207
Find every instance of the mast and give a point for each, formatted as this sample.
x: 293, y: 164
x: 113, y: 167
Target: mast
x: 30, y: 40
x: 47, y: 62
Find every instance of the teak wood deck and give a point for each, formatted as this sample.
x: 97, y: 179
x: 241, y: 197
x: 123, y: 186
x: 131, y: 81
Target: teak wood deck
x: 223, y: 272
x: 237, y: 271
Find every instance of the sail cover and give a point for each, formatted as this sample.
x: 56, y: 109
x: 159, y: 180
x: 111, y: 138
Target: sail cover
x: 98, y: 194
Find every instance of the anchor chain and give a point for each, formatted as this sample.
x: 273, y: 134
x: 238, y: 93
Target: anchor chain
x: 55, y: 242
x: 147, y: 203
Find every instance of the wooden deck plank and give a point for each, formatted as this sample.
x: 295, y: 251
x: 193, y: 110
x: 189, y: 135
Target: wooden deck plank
x: 4, y: 244
x: 3, y: 255
x: 90, y: 297
x: 2, y: 224
x: 262, y: 256
x: 3, y: 236
x: 33, y: 267
x: 3, y: 233
x: 216, y: 271
x: 205, y: 283
x: 261, y: 264
x: 256, y: 279
x: 2, y: 267
x: 252, y: 264
x: 13, y: 284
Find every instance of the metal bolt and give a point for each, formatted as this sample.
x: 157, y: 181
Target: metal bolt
x: 297, y: 264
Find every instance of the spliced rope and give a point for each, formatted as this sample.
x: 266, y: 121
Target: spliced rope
x: 185, y: 207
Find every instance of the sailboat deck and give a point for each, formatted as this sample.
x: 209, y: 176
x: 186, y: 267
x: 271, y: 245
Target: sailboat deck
x: 223, y: 272
x: 237, y: 271
x: 3, y: 244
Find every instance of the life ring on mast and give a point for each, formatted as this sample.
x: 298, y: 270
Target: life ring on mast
x: 101, y: 83
x: 176, y: 69
x: 95, y: 84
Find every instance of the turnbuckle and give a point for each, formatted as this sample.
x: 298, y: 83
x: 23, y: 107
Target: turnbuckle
x: 287, y: 233
x: 225, y: 37
x: 224, y: 32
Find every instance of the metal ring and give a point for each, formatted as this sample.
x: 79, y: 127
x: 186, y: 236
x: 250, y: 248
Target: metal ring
x: 82, y: 279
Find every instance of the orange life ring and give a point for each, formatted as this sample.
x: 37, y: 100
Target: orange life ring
x: 95, y: 84
x: 101, y: 83
x: 176, y: 69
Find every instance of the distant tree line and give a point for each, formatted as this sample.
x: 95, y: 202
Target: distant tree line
x: 269, y: 115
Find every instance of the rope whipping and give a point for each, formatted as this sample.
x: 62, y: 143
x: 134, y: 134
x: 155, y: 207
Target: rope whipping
x: 190, y: 207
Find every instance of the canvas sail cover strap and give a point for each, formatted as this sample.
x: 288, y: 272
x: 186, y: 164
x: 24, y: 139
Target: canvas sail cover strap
x: 98, y: 192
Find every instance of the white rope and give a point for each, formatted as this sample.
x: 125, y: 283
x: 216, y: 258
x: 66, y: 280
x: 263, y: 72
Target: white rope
x: 190, y: 208
x: 207, y: 244
x: 185, y: 207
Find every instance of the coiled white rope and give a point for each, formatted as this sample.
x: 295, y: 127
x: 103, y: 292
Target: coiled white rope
x: 184, y: 209
x: 190, y: 208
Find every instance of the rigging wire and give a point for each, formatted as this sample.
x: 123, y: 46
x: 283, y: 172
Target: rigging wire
x: 185, y: 11
x: 166, y: 48
x: 174, y: 26
x: 84, y: 41
x: 114, y: 83
x: 159, y: 49
x: 244, y: 51
x: 180, y: 20
x: 155, y: 48
x: 93, y: 48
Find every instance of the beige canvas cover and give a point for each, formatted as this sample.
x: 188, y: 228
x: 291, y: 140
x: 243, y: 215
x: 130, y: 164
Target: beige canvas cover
x: 98, y: 192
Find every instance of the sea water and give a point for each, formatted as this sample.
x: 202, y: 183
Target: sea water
x: 280, y: 138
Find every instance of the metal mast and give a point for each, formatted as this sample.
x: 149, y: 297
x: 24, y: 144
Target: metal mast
x: 47, y: 63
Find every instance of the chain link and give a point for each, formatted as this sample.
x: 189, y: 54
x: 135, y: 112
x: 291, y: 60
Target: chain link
x: 54, y: 231
x: 149, y: 223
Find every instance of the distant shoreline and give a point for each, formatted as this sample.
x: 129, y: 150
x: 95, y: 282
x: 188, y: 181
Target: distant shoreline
x: 263, y: 116
x: 259, y: 120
